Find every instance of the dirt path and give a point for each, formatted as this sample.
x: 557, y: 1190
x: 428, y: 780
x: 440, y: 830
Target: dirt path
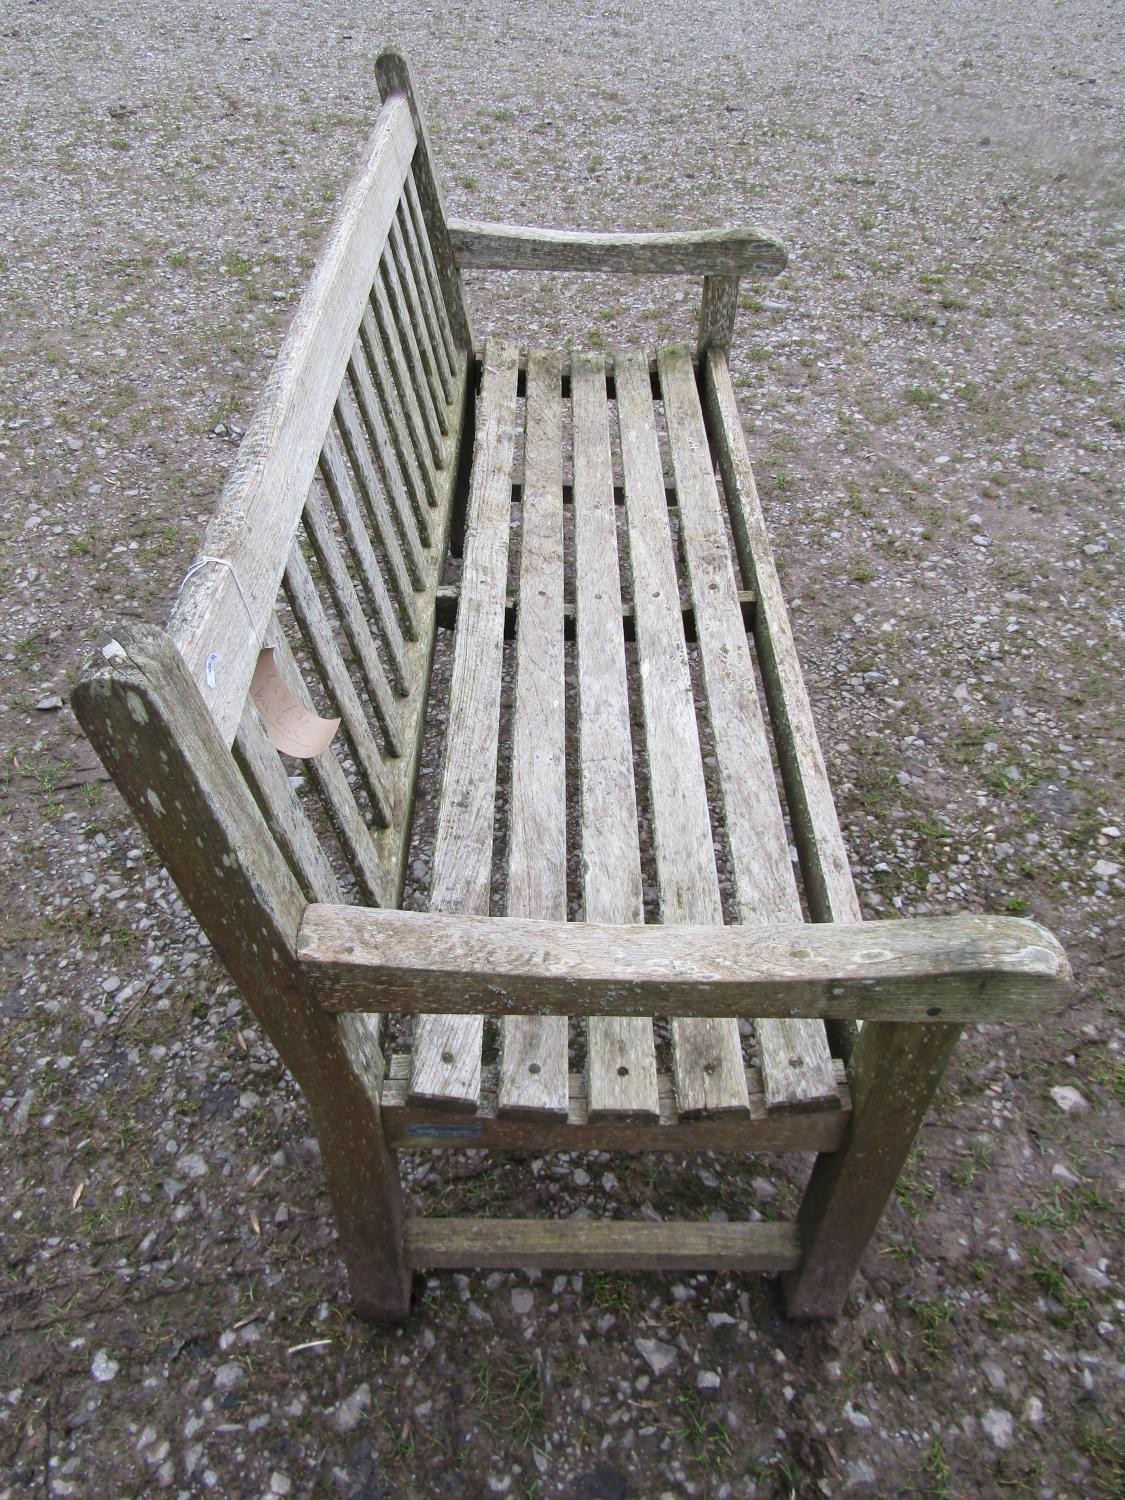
x: 933, y: 397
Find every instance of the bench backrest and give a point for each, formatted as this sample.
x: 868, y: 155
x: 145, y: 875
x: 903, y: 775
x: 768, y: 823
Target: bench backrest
x: 329, y: 536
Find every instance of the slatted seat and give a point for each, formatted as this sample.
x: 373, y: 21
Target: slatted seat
x: 658, y: 974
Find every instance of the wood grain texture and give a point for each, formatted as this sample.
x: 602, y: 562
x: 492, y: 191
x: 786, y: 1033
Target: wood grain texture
x: 409, y: 365
x: 395, y: 361
x: 718, y: 309
x: 375, y: 382
x: 429, y: 294
x: 447, y: 1048
x: 897, y: 1070
x: 316, y: 628
x: 413, y: 206
x: 147, y: 720
x: 393, y: 77
x: 349, y: 612
x: 620, y: 1051
x: 533, y: 1049
x: 420, y: 327
x: 712, y: 252
x: 706, y: 1052
x: 215, y: 616
x: 589, y: 1245
x: 965, y: 969
x: 796, y: 1062
x: 360, y: 846
x: 266, y: 776
x: 411, y: 1128
x: 411, y: 514
x: 346, y: 504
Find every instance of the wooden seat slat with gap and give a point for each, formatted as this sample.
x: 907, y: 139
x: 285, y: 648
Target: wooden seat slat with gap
x: 706, y: 1053
x: 447, y: 1049
x: 533, y: 1049
x: 620, y: 1051
x: 795, y: 1060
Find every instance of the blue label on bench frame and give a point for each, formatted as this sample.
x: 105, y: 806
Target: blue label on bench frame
x: 445, y: 1132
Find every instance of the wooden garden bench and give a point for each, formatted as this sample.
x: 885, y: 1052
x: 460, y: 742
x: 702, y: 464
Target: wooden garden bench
x: 608, y: 516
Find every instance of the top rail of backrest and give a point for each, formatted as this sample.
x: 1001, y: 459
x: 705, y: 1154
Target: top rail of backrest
x: 224, y: 608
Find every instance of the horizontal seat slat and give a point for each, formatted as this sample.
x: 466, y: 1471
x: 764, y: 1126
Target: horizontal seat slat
x: 796, y: 1062
x: 447, y: 1049
x: 224, y: 611
x: 533, y: 1049
x: 706, y: 1052
x: 620, y: 1050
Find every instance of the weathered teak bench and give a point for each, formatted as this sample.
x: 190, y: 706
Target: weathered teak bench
x: 609, y: 502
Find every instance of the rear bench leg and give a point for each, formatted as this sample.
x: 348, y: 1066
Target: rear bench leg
x: 894, y: 1071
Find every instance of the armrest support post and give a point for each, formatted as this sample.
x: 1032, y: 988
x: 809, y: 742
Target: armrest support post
x: 717, y: 313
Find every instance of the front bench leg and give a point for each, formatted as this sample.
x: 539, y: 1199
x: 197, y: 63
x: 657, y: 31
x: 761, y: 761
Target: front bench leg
x: 894, y: 1071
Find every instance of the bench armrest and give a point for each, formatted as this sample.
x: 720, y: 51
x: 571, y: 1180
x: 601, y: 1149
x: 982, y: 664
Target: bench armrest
x: 705, y: 252
x: 952, y: 969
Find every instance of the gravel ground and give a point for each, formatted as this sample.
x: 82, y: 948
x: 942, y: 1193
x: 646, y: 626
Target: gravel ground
x: 933, y: 396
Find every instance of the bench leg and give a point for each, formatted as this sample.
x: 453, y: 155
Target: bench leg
x: 363, y: 1178
x: 894, y: 1072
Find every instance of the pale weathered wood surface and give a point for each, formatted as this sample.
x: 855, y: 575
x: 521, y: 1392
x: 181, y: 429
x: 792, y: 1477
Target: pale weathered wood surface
x: 408, y: 363
x: 413, y: 312
x: 412, y: 1127
x: 220, y: 616
x: 714, y: 252
x: 411, y: 520
x: 796, y: 1062
x: 707, y: 1053
x: 589, y: 1245
x: 453, y: 348
x: 374, y: 383
x: 393, y: 77
x: 429, y: 295
x: 620, y: 1052
x: 345, y: 502
x: 350, y: 614
x: 447, y: 1048
x: 533, y: 1049
x: 964, y: 969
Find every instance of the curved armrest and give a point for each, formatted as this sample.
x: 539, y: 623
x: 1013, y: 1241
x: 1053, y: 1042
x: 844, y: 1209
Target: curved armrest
x: 704, y: 252
x: 924, y: 969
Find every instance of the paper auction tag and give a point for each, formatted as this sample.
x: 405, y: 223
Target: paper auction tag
x: 293, y: 728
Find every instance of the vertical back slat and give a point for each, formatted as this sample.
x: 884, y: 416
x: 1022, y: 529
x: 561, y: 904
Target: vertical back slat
x: 446, y: 1063
x: 706, y: 1054
x: 350, y: 614
x: 404, y: 484
x: 411, y: 366
x: 396, y: 361
x: 795, y: 1061
x: 332, y: 786
x: 534, y: 1077
x: 344, y: 500
x: 426, y: 295
x: 415, y: 466
x: 620, y: 1051
x: 418, y: 325
x: 402, y: 556
x: 306, y: 605
x: 433, y: 281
